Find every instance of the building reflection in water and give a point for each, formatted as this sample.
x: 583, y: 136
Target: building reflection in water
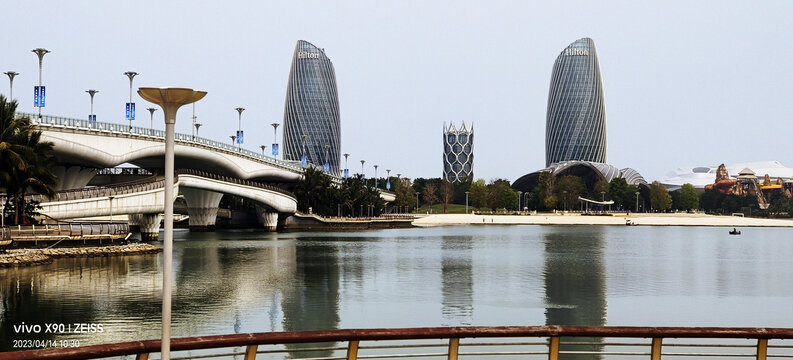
x: 457, y: 280
x: 312, y: 303
x: 575, y: 285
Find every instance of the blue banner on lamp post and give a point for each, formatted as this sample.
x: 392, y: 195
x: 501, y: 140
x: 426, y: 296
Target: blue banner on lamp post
x: 275, y: 149
x: 127, y: 116
x: 42, y: 96
x: 132, y: 111
x: 35, y: 96
x: 239, y: 137
x: 303, y: 160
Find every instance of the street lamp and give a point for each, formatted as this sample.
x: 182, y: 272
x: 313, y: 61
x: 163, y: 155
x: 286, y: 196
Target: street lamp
x: 92, y: 93
x: 194, y: 121
x: 197, y: 125
x: 564, y: 194
x: 263, y: 147
x: 388, y: 179
x: 40, y: 52
x: 303, y: 156
x: 417, y: 201
x: 275, y: 140
x: 637, y: 201
x: 466, y: 202
x: 375, y: 176
x: 233, y: 138
x: 151, y: 117
x: 130, y: 75
x: 11, y: 75
x: 239, y: 127
x: 170, y: 100
x: 362, y: 176
x: 346, y: 168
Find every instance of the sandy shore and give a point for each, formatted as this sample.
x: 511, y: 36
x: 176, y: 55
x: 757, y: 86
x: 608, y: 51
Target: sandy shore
x: 617, y: 219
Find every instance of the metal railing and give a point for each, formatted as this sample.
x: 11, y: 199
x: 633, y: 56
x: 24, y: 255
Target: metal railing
x: 234, y: 180
x: 538, y: 342
x: 84, y: 230
x: 146, y: 133
x: 124, y: 171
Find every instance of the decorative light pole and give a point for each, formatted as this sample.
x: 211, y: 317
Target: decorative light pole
x: 362, y: 176
x: 170, y: 100
x: 346, y: 168
x: 263, y: 147
x: 239, y: 128
x: 11, y: 75
x: 519, y: 194
x: 326, y: 165
x: 131, y: 115
x: 375, y: 176
x: 194, y: 121
x: 466, y: 202
x: 637, y: 201
x: 197, y: 125
x: 388, y: 179
x: 40, y: 52
x: 151, y: 117
x: 417, y: 201
x: 303, y: 156
x: 275, y: 140
x: 92, y: 93
x: 233, y: 138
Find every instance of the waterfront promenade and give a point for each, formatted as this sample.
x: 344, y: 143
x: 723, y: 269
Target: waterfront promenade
x: 680, y: 219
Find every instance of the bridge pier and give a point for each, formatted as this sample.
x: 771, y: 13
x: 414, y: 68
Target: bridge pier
x: 73, y: 177
x: 267, y: 217
x: 149, y: 226
x: 202, y: 207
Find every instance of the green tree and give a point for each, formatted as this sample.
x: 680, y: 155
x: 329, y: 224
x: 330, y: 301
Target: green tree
x: 478, y: 194
x: 659, y: 197
x: 405, y: 194
x: 316, y: 193
x: 493, y: 190
x: 601, y: 188
x: 688, y: 197
x: 25, y: 161
x: 506, y: 198
x: 430, y: 194
x: 624, y: 195
x: 567, y: 190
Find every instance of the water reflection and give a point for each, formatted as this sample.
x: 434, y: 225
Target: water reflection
x: 575, y: 287
x: 457, y: 280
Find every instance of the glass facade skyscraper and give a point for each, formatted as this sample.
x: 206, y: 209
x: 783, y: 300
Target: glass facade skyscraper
x: 576, y: 119
x: 458, y: 153
x: 312, y: 127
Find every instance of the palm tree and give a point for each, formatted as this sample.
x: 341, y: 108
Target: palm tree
x: 25, y: 160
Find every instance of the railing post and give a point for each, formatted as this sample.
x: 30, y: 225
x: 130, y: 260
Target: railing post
x: 762, y: 349
x: 142, y: 356
x: 454, y: 347
x: 250, y: 352
x: 553, y: 348
x: 655, y: 354
x: 352, y: 350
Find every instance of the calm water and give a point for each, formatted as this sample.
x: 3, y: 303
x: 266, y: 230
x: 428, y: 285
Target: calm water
x: 235, y: 282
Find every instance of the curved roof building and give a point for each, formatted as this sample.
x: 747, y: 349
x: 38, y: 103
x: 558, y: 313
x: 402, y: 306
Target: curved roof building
x: 312, y: 126
x: 576, y: 118
x: 700, y: 176
x: 590, y: 172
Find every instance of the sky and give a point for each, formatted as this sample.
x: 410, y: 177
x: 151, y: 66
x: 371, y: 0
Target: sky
x: 686, y: 83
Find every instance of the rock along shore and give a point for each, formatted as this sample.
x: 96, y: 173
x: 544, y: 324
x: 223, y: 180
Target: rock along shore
x: 28, y: 257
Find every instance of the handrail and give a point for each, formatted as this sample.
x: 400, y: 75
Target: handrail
x: 103, y: 127
x: 453, y: 334
x: 233, y: 180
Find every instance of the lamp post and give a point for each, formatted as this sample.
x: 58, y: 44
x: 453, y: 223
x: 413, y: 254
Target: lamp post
x: 92, y: 93
x: 326, y: 165
x: 303, y: 156
x: 194, y: 121
x: 40, y: 52
x: 275, y: 140
x: 151, y: 117
x: 346, y: 167
x: 239, y: 127
x: 417, y: 201
x: 130, y: 75
x: 564, y: 194
x: 263, y: 147
x: 375, y: 176
x: 233, y: 138
x: 197, y: 126
x: 637, y: 201
x: 170, y: 100
x: 11, y: 75
x: 466, y: 202
x: 388, y: 179
x: 362, y: 176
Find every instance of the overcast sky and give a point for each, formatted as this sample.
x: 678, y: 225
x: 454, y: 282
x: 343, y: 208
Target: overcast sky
x: 686, y: 82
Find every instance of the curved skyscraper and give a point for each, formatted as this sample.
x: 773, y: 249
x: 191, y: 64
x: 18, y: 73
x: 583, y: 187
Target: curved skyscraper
x: 576, y: 121
x: 311, y: 113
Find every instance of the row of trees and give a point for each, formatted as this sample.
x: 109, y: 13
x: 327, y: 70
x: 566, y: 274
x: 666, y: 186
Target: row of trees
x: 25, y: 163
x: 317, y: 194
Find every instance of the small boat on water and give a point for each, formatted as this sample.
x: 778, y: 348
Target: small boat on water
x: 735, y: 232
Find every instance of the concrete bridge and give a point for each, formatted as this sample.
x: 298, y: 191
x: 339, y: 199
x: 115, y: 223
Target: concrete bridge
x: 143, y: 201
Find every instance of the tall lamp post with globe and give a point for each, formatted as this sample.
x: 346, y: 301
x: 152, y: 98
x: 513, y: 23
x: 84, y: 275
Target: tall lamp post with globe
x: 170, y: 100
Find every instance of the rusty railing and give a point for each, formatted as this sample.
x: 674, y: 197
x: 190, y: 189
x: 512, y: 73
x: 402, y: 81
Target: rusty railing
x: 538, y: 342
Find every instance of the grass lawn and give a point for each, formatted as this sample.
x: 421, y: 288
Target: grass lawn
x: 438, y: 209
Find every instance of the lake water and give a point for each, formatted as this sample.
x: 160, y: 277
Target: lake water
x: 245, y: 281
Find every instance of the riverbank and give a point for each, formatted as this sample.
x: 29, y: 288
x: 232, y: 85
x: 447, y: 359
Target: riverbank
x: 27, y: 257
x: 304, y: 222
x: 616, y: 219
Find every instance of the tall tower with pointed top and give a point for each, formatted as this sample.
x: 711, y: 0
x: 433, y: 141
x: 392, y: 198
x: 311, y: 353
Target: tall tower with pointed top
x: 458, y: 153
x: 575, y: 126
x: 311, y: 112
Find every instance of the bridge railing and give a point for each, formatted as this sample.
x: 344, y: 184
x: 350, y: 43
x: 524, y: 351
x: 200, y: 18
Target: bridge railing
x: 187, y: 139
x: 151, y: 183
x: 514, y: 342
x: 234, y: 181
x: 82, y: 229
